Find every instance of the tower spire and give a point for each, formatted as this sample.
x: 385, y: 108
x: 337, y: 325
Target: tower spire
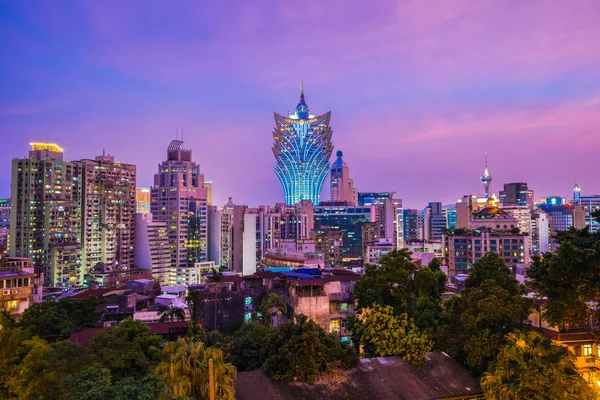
x: 486, y: 179
x: 302, y: 92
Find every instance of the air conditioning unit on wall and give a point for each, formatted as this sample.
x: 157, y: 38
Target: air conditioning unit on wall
x: 6, y: 292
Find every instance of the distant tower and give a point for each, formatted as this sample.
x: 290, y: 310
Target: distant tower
x: 486, y: 179
x: 302, y: 148
x: 341, y: 186
x: 576, y: 194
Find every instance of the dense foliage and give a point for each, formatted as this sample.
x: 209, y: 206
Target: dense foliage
x: 568, y: 278
x: 490, y: 307
x: 531, y: 367
x: 380, y: 333
x: 406, y: 287
x: 123, y: 362
x: 299, y: 351
x: 58, y: 320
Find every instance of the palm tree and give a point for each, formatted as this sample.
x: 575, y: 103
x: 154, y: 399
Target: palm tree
x: 215, y: 277
x: 272, y: 307
x: 171, y: 313
x: 184, y: 365
x: 532, y: 367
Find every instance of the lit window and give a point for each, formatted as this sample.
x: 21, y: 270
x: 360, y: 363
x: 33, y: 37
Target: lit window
x: 587, y: 350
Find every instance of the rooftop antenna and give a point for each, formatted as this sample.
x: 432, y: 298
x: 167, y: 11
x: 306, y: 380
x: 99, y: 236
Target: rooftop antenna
x: 176, y: 133
x: 182, y: 134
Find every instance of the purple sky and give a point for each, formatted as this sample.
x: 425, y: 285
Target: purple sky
x: 418, y: 90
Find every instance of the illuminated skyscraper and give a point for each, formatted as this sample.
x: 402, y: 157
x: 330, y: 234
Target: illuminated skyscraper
x: 486, y: 179
x: 302, y: 148
x: 178, y: 198
x: 45, y: 221
x: 108, y: 210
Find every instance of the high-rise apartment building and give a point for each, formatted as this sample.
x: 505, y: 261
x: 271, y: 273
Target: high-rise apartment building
x: 178, y: 198
x: 302, y: 148
x: 152, y: 249
x: 341, y: 186
x: 46, y: 220
x: 563, y: 217
x: 540, y: 232
x: 108, y: 211
x: 329, y: 243
x: 517, y: 194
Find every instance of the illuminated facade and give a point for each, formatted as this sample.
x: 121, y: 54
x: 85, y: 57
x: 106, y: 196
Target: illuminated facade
x: 302, y: 148
x: 178, y: 198
x: 46, y: 220
x: 108, y: 209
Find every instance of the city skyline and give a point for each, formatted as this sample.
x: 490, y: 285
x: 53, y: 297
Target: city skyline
x: 411, y: 116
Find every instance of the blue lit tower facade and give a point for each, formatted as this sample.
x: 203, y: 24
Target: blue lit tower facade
x: 302, y: 148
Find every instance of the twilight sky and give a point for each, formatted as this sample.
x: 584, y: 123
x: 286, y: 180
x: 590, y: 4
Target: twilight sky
x: 418, y: 90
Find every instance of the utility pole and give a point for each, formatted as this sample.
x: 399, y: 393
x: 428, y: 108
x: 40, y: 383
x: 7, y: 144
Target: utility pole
x: 211, y: 380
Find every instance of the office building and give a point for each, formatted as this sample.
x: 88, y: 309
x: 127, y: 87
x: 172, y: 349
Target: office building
x: 434, y: 222
x: 373, y: 198
x: 45, y: 221
x: 590, y: 203
x: 302, y: 148
x: 523, y: 216
x: 341, y: 186
x: 178, y: 198
x: 152, y: 249
x: 108, y: 210
x: 451, y: 216
x: 413, y: 225
x: 564, y: 217
x: 517, y: 194
x: 349, y: 221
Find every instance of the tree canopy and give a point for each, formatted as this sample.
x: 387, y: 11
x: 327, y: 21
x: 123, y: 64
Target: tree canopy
x: 478, y: 319
x: 531, y: 367
x: 299, y: 351
x: 406, y: 287
x: 380, y: 333
x: 568, y: 278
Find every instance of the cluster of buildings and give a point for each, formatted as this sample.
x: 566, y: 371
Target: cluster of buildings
x: 86, y: 223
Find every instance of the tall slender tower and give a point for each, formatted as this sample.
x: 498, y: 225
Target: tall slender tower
x: 302, y: 148
x: 486, y: 179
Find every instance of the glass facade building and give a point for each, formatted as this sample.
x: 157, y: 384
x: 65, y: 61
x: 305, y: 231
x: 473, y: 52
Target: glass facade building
x: 302, y: 148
